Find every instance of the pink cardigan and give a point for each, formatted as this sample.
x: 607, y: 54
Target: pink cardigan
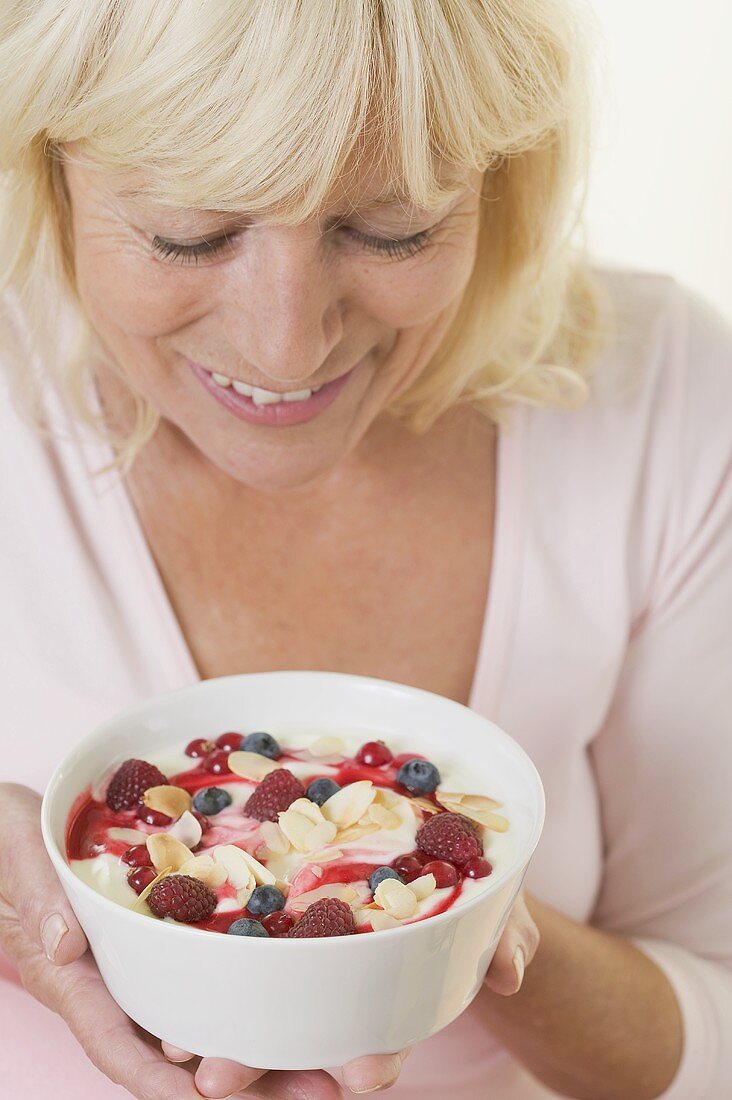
x: 606, y: 651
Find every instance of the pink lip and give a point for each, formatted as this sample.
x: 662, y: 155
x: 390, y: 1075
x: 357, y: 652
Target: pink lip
x: 283, y: 414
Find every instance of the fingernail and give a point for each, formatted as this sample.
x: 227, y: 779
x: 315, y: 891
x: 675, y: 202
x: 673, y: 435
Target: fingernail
x: 53, y: 930
x: 519, y: 965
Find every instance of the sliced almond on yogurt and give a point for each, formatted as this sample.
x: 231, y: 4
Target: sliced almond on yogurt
x: 169, y: 800
x: 274, y: 838
x: 477, y: 801
x: 129, y: 836
x: 166, y: 851
x: 187, y: 829
x: 244, y: 893
x: 327, y: 746
x: 308, y: 809
x: 205, y: 870
x: 497, y: 822
x: 381, y: 921
x: 297, y: 829
x: 396, y: 898
x: 251, y: 765
x: 423, y: 886
x: 355, y: 832
x: 348, y: 805
x: 325, y: 855
x: 423, y: 804
x: 145, y: 894
x: 386, y: 819
x: 338, y: 890
x: 386, y: 797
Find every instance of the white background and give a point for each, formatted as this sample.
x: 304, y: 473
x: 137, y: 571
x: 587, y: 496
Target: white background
x: 660, y: 194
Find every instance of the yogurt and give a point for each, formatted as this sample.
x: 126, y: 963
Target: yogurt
x: 390, y: 816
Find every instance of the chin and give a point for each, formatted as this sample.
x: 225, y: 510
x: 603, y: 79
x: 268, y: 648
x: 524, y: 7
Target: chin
x: 277, y: 475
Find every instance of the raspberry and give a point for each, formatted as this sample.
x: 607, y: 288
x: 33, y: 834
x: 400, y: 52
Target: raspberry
x: 452, y: 837
x: 130, y: 782
x: 183, y: 898
x: 327, y: 917
x: 277, y: 791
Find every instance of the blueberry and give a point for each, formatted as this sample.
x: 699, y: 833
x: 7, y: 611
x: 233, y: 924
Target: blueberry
x: 266, y: 900
x: 211, y: 800
x: 320, y: 790
x: 418, y: 776
x: 246, y: 927
x: 380, y: 874
x: 263, y: 743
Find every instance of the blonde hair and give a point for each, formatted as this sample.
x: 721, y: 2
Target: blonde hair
x: 246, y: 105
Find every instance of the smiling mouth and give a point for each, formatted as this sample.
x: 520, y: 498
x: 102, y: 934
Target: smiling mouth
x: 258, y: 394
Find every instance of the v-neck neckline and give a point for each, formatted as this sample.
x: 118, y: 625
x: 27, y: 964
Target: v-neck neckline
x: 178, y: 666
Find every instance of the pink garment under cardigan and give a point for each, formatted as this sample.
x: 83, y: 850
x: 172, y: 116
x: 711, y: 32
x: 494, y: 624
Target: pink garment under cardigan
x: 606, y: 651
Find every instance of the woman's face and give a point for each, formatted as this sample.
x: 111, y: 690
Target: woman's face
x: 213, y: 334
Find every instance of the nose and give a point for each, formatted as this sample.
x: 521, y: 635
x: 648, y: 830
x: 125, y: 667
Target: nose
x: 283, y: 311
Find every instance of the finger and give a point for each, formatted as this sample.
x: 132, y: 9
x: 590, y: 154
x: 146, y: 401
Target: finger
x: 218, y: 1077
x: 175, y: 1054
x: 30, y: 884
x: 377, y: 1071
x: 110, y: 1040
x: 283, y: 1085
x: 516, y: 948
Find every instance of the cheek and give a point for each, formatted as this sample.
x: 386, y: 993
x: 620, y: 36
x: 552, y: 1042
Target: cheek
x: 122, y: 289
x: 413, y: 292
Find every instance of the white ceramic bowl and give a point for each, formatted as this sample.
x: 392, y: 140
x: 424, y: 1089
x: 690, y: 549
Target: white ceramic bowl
x: 299, y: 1003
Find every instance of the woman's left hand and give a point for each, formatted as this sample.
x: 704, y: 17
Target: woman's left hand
x: 216, y: 1077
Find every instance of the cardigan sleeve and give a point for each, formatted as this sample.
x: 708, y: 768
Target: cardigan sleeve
x: 663, y: 758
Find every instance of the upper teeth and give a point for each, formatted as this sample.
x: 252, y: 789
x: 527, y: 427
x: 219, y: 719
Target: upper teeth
x: 260, y: 396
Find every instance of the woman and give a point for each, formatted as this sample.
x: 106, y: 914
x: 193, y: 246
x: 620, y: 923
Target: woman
x: 322, y: 383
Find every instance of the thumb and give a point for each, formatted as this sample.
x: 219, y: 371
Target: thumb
x: 28, y: 881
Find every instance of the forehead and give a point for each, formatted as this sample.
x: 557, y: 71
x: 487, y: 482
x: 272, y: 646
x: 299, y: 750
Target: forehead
x: 363, y: 187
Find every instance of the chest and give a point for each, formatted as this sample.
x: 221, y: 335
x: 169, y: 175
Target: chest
x: 394, y: 585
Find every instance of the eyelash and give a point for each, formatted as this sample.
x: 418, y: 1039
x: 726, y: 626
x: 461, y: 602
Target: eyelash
x: 191, y: 253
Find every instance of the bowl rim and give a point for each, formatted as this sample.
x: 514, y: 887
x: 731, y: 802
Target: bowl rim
x: 519, y: 863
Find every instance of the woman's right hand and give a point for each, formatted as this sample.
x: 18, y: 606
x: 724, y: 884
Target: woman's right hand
x: 40, y: 934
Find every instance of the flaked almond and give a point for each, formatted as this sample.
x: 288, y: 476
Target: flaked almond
x: 148, y: 889
x: 205, y: 870
x: 386, y: 797
x: 262, y: 875
x: 423, y: 804
x: 251, y: 765
x: 282, y: 886
x: 308, y: 809
x: 172, y: 801
x: 423, y: 886
x: 187, y: 829
x: 330, y: 890
x: 496, y: 822
x: 317, y: 870
x: 327, y: 746
x: 386, y: 819
x: 232, y: 859
x: 381, y: 921
x: 321, y: 834
x: 477, y: 801
x: 395, y: 898
x: 244, y: 893
x: 129, y: 836
x: 274, y: 838
x: 297, y: 829
x: 167, y: 851
x: 350, y: 803
x: 325, y: 855
x: 355, y: 832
